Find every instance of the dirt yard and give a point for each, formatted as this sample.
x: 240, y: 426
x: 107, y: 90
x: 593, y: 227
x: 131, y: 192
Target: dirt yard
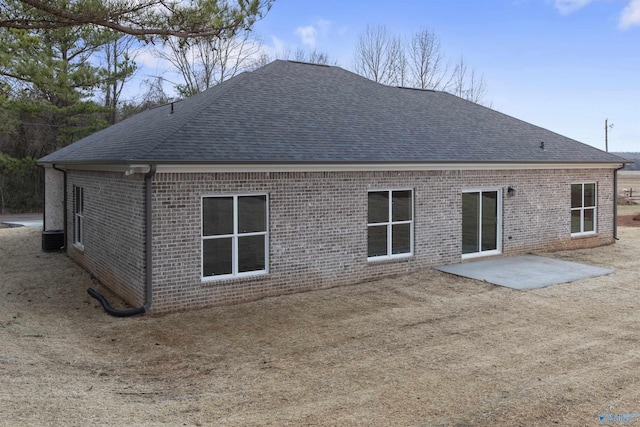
x: 421, y: 350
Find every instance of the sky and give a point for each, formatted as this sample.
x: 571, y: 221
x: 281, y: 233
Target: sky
x: 564, y: 65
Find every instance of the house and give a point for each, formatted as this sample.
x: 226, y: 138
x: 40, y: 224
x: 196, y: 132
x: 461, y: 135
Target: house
x: 297, y: 176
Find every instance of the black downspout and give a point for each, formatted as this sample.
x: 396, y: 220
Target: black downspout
x: 64, y: 202
x: 148, y: 257
x: 615, y: 201
x: 43, y: 184
x: 148, y: 181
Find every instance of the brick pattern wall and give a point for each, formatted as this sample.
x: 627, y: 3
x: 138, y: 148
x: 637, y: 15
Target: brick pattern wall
x: 537, y: 218
x: 318, y: 226
x: 114, y: 249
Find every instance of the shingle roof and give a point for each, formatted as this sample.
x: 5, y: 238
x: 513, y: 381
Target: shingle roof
x: 289, y: 112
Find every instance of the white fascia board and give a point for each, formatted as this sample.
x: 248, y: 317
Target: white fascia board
x: 373, y: 167
x: 137, y: 168
x: 128, y: 169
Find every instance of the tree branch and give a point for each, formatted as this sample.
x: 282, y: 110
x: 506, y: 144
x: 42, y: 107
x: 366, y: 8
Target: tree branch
x: 205, y: 19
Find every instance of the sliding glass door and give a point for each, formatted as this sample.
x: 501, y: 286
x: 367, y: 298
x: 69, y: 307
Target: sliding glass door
x: 481, y: 223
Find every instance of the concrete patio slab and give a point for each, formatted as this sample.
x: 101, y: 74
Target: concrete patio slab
x: 524, y: 272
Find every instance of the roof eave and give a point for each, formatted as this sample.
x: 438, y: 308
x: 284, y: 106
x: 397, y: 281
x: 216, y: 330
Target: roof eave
x: 137, y: 166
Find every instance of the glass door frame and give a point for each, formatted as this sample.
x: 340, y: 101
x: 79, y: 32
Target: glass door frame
x: 498, y: 249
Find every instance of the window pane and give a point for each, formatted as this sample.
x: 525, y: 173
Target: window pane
x: 575, y: 221
x: 470, y: 223
x: 378, y: 206
x: 489, y: 221
x: 79, y: 230
x: 401, y: 209
x: 576, y: 195
x: 589, y: 195
x: 251, y: 253
x: 401, y: 239
x: 377, y: 241
x: 252, y: 214
x: 589, y: 223
x: 78, y: 198
x: 217, y: 216
x: 216, y: 256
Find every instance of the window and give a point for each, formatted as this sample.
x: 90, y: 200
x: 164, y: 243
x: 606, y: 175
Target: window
x: 78, y: 216
x: 390, y: 224
x: 234, y: 236
x: 583, y: 208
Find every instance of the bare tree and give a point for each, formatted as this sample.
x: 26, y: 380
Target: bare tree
x: 379, y: 56
x: 388, y: 59
x: 477, y: 88
x: 399, y: 64
x: 313, y: 57
x: 426, y: 62
x: 208, y: 61
x: 468, y: 83
x: 153, y: 96
x: 120, y: 68
x: 261, y: 60
x: 300, y: 55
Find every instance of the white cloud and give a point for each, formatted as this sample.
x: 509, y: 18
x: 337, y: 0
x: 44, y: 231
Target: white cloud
x: 324, y: 26
x: 566, y: 7
x: 630, y: 15
x: 308, y: 35
x: 279, y: 47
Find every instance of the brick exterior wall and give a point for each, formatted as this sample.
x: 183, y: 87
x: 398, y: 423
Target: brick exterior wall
x: 318, y: 226
x: 114, y: 249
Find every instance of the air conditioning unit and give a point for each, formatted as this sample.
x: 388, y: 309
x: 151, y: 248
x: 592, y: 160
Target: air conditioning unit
x: 52, y: 240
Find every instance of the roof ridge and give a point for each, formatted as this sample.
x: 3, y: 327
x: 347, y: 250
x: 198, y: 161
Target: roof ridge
x: 294, y: 61
x: 415, y: 88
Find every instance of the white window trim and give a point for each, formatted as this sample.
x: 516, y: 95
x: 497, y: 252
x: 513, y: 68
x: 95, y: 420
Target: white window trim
x: 582, y: 209
x: 498, y: 249
x: 234, y: 239
x: 390, y: 224
x: 78, y: 218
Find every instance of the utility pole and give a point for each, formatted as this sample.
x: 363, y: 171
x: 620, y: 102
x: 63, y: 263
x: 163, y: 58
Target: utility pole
x: 607, y: 126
